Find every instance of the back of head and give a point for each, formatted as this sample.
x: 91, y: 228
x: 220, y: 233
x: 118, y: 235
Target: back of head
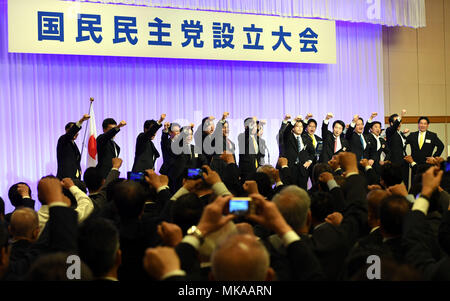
x: 293, y: 203
x: 40, y: 197
x: 187, y: 210
x: 390, y: 174
x: 24, y: 224
x: 14, y: 197
x: 263, y: 182
x: 321, y: 205
x: 54, y: 267
x: 93, y: 179
x: 129, y: 198
x: 392, y: 211
x: 69, y: 125
x: 98, y: 243
x: 374, y: 200
x: 148, y: 124
x: 240, y: 258
x: 318, y: 169
x: 107, y: 122
x: 267, y: 169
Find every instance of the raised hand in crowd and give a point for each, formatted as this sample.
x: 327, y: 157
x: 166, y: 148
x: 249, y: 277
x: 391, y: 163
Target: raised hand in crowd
x: 171, y: 234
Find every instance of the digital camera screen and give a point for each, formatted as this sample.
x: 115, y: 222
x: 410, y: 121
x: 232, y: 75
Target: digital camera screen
x: 238, y: 205
x: 136, y: 176
x: 194, y: 173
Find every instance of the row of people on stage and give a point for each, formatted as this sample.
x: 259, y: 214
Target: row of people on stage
x: 298, y: 142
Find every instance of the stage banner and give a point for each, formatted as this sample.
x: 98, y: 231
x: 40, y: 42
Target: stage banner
x: 80, y: 28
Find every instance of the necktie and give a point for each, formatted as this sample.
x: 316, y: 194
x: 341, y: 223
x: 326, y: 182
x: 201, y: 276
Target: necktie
x: 335, y: 144
x: 362, y: 141
x: 421, y: 141
x: 299, y: 144
x: 313, y: 140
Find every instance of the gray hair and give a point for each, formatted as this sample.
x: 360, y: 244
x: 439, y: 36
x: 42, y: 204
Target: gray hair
x: 293, y: 203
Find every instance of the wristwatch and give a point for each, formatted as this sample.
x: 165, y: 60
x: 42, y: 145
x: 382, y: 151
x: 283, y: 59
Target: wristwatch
x: 197, y: 233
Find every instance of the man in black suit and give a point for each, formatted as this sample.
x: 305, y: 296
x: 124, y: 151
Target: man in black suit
x: 333, y: 142
x: 146, y: 152
x: 99, y: 248
x: 379, y: 153
x: 169, y: 134
x: 187, y: 158
x: 360, y: 145
x: 222, y: 144
x: 249, y: 148
x: 106, y: 147
x: 417, y: 229
x: 423, y: 143
x: 59, y: 234
x: 204, y: 138
x: 396, y: 142
x: 20, y: 196
x: 298, y: 149
x: 67, y: 152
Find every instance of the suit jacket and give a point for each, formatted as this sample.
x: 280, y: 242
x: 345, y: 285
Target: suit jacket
x: 68, y: 155
x: 395, y: 144
x: 416, y: 241
x: 248, y: 157
x: 356, y: 146
x: 59, y: 235
x: 106, y: 150
x: 328, y: 144
x: 168, y: 155
x: 146, y: 152
x: 187, y: 159
x: 99, y: 199
x: 430, y: 142
x: 289, y: 146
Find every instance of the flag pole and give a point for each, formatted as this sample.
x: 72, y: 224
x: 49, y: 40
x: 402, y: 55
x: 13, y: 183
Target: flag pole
x: 85, y: 130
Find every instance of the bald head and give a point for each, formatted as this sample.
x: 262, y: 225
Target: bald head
x: 24, y: 224
x: 241, y: 258
x: 293, y: 203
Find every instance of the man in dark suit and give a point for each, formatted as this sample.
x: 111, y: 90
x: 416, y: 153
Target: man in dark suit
x: 188, y: 158
x: 379, y: 153
x: 249, y: 148
x: 20, y: 196
x: 106, y: 147
x: 222, y: 144
x: 298, y: 149
x: 423, y: 143
x: 396, y: 142
x: 204, y: 139
x: 67, y: 152
x: 333, y: 142
x: 169, y: 134
x: 360, y: 145
x: 146, y: 152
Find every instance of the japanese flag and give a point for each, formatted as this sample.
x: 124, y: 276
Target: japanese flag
x: 92, y: 141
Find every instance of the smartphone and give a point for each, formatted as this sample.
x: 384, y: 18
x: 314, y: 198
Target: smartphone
x: 136, y: 176
x: 447, y: 166
x: 194, y: 173
x: 240, y: 206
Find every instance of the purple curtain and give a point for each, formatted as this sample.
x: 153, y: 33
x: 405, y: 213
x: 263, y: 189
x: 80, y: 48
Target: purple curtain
x: 41, y: 93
